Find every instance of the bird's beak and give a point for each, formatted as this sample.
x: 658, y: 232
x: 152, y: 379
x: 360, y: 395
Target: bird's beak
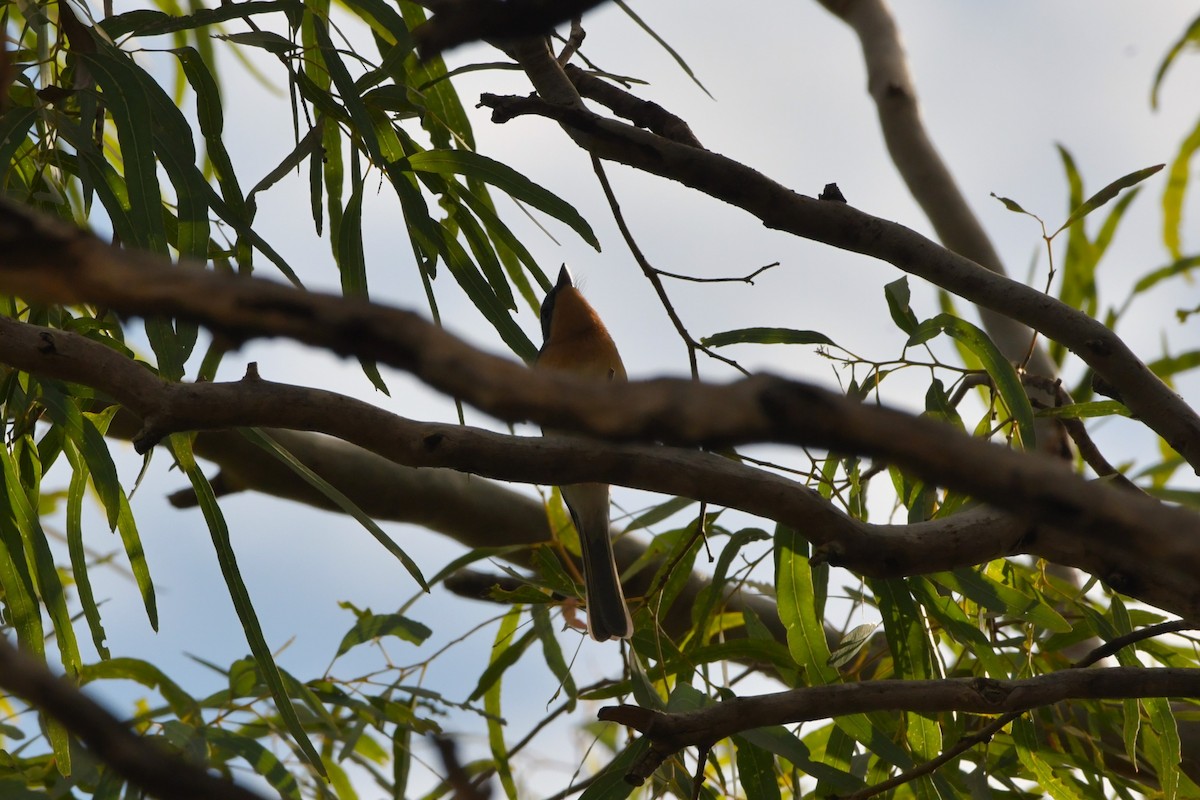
x: 564, y: 278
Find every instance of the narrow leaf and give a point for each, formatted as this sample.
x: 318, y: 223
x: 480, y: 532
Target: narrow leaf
x: 508, y: 180
x: 766, y: 336
x: 1175, y: 191
x: 260, y: 438
x: 1108, y: 193
x: 504, y: 652
x: 898, y: 301
x: 370, y: 626
x: 181, y: 446
x: 1001, y: 371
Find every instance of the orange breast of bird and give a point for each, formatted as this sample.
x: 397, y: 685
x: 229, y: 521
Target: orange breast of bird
x: 578, y: 341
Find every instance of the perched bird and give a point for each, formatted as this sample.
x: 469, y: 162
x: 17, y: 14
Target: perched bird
x: 576, y: 341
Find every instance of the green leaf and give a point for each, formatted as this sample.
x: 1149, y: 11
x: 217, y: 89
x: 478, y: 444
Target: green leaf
x: 1131, y: 724
x: 401, y: 759
x: 77, y: 554
x: 20, y: 599
x: 1178, y: 267
x: 851, y: 644
x: 756, y: 769
x: 1002, y: 599
x: 785, y: 744
x: 308, y: 147
x: 98, y: 175
x: 370, y: 626
x: 271, y: 42
x: 260, y: 438
x: 1167, y: 763
x: 505, y: 652
x: 445, y: 118
x: 505, y: 178
x: 481, y: 294
x: 1108, y: 193
x: 898, y: 297
x: 351, y: 261
x: 211, y: 118
x: 65, y: 412
x: 40, y: 558
x: 963, y: 630
x: 132, y: 542
x: 938, y: 406
x: 506, y: 243
x: 1057, y: 784
x: 260, y: 759
x: 349, y: 95
x: 1190, y: 36
x: 1099, y: 408
x: 14, y: 132
x: 28, y: 544
x: 662, y: 43
x: 1175, y: 191
x: 184, y: 706
x: 706, y: 602
x: 766, y: 336
x: 1012, y: 205
x: 553, y: 654
x: 126, y: 100
x: 610, y: 784
x: 797, y: 610
x: 470, y: 557
x: 907, y: 637
x: 181, y: 447
x: 384, y: 20
x: 658, y: 513
x: 485, y: 255
x: 1001, y: 371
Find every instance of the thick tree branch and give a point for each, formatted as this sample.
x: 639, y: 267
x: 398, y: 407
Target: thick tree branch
x: 1136, y: 544
x: 671, y: 732
x: 883, y: 550
x: 159, y: 772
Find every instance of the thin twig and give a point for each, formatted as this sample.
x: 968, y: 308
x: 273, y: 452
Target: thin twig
x: 744, y: 279
x: 652, y: 275
x: 1075, y: 428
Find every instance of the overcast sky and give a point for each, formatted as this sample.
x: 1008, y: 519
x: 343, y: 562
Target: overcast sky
x: 1000, y: 83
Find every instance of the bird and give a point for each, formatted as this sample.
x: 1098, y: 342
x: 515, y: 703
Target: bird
x: 574, y: 340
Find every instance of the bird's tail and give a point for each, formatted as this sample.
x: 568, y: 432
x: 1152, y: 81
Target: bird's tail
x: 608, y: 615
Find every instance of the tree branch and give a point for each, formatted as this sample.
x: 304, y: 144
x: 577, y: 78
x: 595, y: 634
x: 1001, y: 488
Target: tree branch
x: 139, y: 760
x: 670, y: 732
x: 1136, y: 544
